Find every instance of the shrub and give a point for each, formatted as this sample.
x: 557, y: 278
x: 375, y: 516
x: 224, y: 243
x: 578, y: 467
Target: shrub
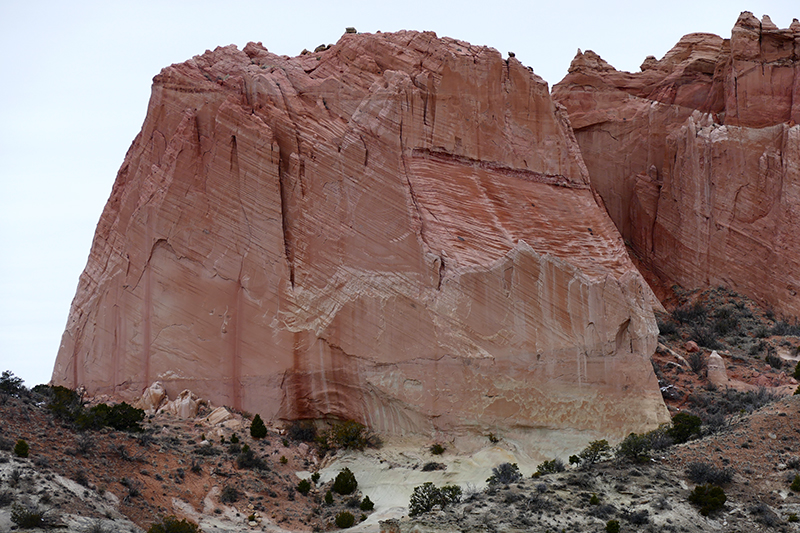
x: 684, y: 427
x: 795, y: 486
x: 551, y: 467
x: 302, y: 430
x: 612, y: 526
x: 315, y: 477
x: 345, y: 482
x: 349, y: 435
x: 344, y: 520
x: 10, y: 384
x: 634, y: 448
x: 709, y: 498
x: 28, y: 517
x: 774, y: 361
x: 171, y: 524
x: 248, y: 459
x: 437, y: 449
x: 796, y: 374
x: 666, y: 327
x: 702, y: 473
x: 304, y: 487
x: 697, y: 362
x: 432, y: 466
x: 64, y: 403
x: 329, y: 498
x: 21, y: 449
x: 704, y: 336
x: 229, y: 494
x: 594, y: 500
x: 283, y: 460
x: 257, y: 428
x: 596, y: 451
x: 234, y: 439
x: 504, y: 474
x: 686, y: 314
x: 426, y: 496
x: 792, y: 518
x: 366, y: 504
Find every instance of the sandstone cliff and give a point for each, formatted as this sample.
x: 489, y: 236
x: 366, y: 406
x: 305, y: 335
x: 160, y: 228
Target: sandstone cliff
x: 697, y: 157
x: 398, y: 230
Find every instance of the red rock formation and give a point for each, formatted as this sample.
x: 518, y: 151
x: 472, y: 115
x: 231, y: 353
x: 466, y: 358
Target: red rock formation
x: 398, y: 230
x: 697, y: 157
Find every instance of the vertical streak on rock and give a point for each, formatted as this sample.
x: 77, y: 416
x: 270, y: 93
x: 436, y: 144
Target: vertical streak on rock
x: 148, y: 302
x: 236, y: 371
x: 115, y: 320
x: 298, y: 384
x: 285, y: 221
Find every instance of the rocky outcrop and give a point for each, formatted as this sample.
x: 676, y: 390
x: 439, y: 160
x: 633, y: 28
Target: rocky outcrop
x: 397, y: 230
x: 697, y: 157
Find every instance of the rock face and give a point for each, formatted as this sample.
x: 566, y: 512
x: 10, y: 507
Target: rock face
x: 397, y: 230
x: 697, y: 157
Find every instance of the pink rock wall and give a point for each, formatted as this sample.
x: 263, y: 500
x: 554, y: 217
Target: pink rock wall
x: 399, y: 230
x: 697, y: 157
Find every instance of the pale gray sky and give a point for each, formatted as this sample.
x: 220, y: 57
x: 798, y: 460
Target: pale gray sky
x: 77, y: 82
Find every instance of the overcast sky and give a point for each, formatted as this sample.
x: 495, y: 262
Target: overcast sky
x: 77, y: 81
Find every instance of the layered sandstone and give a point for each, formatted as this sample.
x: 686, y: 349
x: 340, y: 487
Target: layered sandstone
x: 697, y: 157
x: 398, y: 230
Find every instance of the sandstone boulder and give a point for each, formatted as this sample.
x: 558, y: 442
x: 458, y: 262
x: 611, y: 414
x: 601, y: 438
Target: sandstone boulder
x: 185, y: 405
x: 717, y: 373
x: 398, y: 230
x: 152, y: 398
x: 697, y: 157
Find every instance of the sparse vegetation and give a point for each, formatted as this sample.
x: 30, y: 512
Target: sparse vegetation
x: 504, y: 473
x: 427, y: 495
x: 229, y: 494
x: 684, y: 427
x: 28, y: 517
x: 304, y: 487
x: 344, y: 520
x: 10, y: 384
x: 366, y: 504
x: 21, y: 449
x: 257, y: 428
x: 437, y: 449
x: 552, y: 466
x: 345, y: 482
x: 709, y: 498
x: 302, y: 430
x: 703, y: 473
x: 597, y: 450
x: 171, y: 524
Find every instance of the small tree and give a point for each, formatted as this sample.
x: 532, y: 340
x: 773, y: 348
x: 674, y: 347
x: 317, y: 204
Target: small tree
x: 329, y: 498
x: 10, y: 384
x: 344, y: 520
x: 257, y: 428
x: 345, y: 482
x: 684, y: 427
x: 426, y: 496
x: 304, y: 487
x: 21, y: 449
x: 366, y: 504
x: 795, y: 486
x: 634, y: 448
x: 596, y: 451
